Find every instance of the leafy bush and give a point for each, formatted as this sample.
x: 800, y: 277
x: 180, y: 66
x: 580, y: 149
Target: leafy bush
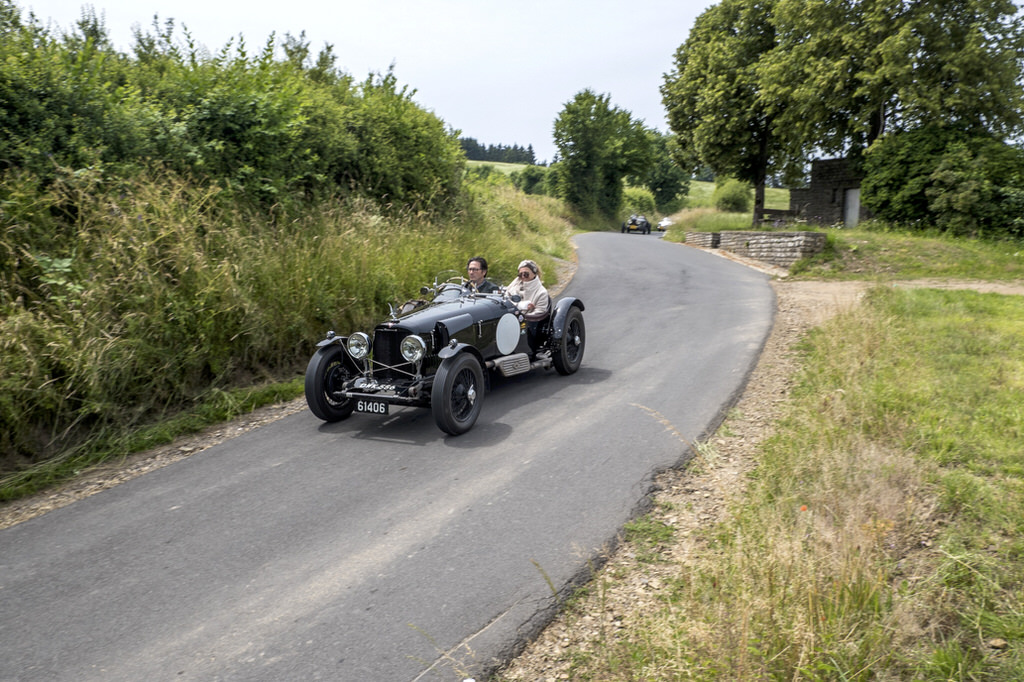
x: 662, y: 175
x: 977, y: 190
x: 897, y: 169
x: 732, y: 196
x: 488, y: 174
x: 531, y: 180
x: 551, y: 179
x: 269, y: 130
x: 62, y: 102
x: 941, y: 178
x: 404, y: 154
x: 639, y: 201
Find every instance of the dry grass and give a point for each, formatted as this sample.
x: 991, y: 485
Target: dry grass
x: 813, y: 539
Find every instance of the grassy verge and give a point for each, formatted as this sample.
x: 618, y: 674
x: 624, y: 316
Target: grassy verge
x: 700, y: 215
x: 880, y: 536
x: 503, y: 168
x: 870, y: 252
x: 705, y: 220
x: 162, y: 309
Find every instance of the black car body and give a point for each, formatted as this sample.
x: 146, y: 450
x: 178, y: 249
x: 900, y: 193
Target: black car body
x: 637, y: 224
x: 435, y: 353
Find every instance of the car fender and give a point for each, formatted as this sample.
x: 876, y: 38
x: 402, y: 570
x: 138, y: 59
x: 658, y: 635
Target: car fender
x: 331, y: 338
x: 562, y: 307
x: 454, y: 348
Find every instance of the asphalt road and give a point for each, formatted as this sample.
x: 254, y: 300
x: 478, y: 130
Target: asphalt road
x: 379, y: 548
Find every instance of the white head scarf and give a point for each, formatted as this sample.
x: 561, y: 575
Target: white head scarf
x: 531, y: 290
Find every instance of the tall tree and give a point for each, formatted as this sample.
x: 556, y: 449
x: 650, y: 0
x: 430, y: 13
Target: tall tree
x: 845, y: 71
x: 599, y: 146
x: 759, y: 84
x: 713, y: 96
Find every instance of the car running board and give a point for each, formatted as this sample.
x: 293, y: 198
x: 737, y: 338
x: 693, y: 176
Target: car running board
x: 518, y: 363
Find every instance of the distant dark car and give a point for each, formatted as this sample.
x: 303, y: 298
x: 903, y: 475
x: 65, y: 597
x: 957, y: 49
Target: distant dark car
x: 435, y: 352
x: 636, y: 224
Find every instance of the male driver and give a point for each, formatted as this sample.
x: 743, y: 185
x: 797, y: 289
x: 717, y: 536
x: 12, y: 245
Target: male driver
x: 477, y: 269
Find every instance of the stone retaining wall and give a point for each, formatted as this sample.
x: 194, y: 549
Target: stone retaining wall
x: 779, y: 248
x: 703, y: 240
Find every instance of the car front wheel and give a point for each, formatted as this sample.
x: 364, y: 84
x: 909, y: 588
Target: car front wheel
x: 568, y: 353
x: 326, y: 374
x: 458, y: 394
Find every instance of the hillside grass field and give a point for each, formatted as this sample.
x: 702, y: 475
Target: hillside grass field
x: 503, y: 168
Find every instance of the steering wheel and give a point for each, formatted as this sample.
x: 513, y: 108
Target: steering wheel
x: 454, y: 281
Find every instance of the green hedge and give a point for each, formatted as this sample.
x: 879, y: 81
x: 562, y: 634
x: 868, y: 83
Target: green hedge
x: 937, y: 177
x: 269, y: 129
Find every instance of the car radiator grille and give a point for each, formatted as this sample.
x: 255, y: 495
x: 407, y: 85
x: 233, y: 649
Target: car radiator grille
x: 388, y: 363
x: 387, y: 355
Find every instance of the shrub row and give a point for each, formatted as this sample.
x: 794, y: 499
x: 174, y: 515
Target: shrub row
x: 962, y: 183
x: 270, y: 128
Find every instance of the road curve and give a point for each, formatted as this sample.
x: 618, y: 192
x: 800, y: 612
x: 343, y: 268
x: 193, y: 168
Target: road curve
x: 380, y: 549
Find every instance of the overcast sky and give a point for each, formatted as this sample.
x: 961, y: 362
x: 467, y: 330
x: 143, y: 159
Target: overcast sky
x: 499, y: 72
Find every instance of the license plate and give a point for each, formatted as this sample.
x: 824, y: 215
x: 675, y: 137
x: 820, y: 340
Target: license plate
x: 371, y: 406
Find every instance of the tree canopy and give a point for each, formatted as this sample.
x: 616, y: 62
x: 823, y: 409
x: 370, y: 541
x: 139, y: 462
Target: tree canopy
x: 761, y: 85
x: 598, y: 145
x: 714, y: 95
x: 499, y: 153
x: 845, y: 71
x: 662, y: 176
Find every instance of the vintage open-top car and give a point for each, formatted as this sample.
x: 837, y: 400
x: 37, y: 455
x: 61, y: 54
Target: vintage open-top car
x: 637, y: 223
x: 435, y: 352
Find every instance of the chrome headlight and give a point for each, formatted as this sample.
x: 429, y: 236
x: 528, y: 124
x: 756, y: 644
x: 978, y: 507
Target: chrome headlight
x: 359, y: 345
x: 413, y: 348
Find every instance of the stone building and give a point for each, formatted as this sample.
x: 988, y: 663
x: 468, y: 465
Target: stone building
x: 833, y: 196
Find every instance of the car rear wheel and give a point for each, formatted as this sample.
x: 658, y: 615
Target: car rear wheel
x: 326, y: 374
x: 568, y: 353
x: 458, y: 394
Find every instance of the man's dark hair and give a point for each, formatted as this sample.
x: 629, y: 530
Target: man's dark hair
x: 479, y: 259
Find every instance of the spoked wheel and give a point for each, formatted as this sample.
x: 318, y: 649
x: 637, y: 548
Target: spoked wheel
x: 458, y: 394
x: 568, y: 353
x: 326, y: 374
